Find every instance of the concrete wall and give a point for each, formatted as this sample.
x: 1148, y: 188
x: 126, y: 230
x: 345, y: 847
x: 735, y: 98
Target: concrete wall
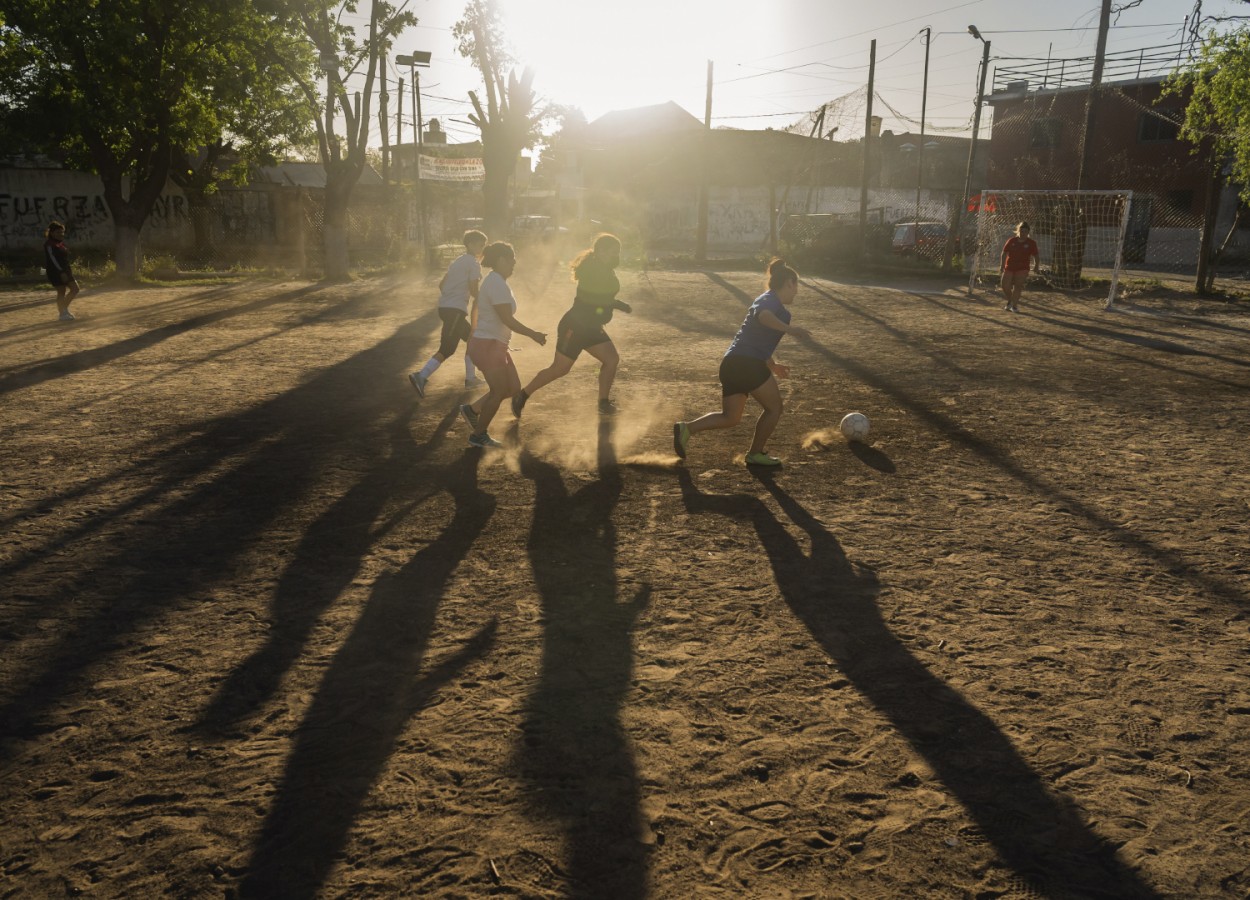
x: 30, y: 198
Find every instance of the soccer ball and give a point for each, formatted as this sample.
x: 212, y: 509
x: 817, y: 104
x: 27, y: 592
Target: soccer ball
x: 854, y: 426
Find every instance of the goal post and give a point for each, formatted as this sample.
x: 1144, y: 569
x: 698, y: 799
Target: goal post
x: 1080, y: 234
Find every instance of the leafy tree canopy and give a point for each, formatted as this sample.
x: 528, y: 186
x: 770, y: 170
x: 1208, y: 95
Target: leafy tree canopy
x: 115, y: 85
x: 1217, y: 110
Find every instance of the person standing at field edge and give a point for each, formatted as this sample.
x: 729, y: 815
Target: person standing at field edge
x: 748, y: 368
x: 1014, y: 265
x: 458, y: 287
x: 581, y: 328
x: 56, y: 265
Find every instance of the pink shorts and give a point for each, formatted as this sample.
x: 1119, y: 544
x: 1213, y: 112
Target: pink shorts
x: 489, y: 354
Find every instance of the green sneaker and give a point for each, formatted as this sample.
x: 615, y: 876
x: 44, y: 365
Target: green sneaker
x: 762, y: 459
x: 681, y: 438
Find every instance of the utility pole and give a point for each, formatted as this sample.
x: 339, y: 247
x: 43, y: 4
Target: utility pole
x: 384, y: 128
x: 924, y: 99
x: 863, y: 188
x: 1069, y: 265
x: 412, y: 60
x: 1091, y: 100
x: 399, y: 126
x: 700, y: 248
x: 953, y: 234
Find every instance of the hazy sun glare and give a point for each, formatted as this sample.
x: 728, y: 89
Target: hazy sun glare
x: 603, y: 56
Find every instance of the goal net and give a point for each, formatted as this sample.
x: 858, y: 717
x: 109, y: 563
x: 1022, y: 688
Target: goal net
x: 1079, y: 234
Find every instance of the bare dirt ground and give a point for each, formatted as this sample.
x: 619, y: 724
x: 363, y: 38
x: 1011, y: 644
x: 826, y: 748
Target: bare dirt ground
x: 271, y: 630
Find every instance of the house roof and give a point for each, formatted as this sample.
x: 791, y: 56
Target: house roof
x: 643, y: 121
x: 308, y: 174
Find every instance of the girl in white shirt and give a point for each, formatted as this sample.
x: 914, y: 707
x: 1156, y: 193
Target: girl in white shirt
x: 488, y: 348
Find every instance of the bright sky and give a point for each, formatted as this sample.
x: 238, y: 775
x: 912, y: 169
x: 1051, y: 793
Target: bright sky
x: 775, y: 61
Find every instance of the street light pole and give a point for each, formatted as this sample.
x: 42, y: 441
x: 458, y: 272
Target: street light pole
x: 412, y: 61
x: 972, y: 147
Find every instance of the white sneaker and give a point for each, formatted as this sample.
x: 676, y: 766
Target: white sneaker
x: 418, y: 381
x: 66, y: 316
x: 474, y: 382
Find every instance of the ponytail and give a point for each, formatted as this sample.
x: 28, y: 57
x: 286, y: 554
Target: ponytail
x: 780, y: 274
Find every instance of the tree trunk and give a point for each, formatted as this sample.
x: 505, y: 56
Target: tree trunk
x: 495, y: 197
x: 126, y: 251
x: 337, y: 260
x: 129, y: 209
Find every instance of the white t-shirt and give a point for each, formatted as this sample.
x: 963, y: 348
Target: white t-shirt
x: 493, y: 292
x: 463, y: 269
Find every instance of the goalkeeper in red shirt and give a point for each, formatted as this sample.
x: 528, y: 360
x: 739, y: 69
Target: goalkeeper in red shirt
x: 1015, y: 265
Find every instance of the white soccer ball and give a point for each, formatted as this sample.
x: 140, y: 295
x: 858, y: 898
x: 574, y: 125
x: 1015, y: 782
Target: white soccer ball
x: 854, y: 426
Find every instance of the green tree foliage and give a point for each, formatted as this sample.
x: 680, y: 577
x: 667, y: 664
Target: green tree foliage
x: 509, y: 119
x: 262, y: 117
x: 344, y: 52
x: 1217, y: 111
x: 126, y: 87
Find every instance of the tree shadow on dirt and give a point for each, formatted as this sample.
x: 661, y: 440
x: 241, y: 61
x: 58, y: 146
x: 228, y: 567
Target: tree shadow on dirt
x: 83, y: 360
x: 1162, y: 345
x: 1125, y: 337
x: 164, y: 547
x: 1036, y: 833
x: 576, y: 757
x: 113, y: 317
x: 368, y: 695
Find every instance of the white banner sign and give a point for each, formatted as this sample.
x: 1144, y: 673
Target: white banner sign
x: 441, y: 168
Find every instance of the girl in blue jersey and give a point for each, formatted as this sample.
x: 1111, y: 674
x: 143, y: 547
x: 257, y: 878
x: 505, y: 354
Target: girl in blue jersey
x: 748, y: 368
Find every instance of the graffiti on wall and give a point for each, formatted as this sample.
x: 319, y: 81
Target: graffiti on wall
x: 31, y: 198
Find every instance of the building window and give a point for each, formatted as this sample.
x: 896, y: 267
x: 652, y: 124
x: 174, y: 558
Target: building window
x: 1045, y: 132
x: 1163, y: 125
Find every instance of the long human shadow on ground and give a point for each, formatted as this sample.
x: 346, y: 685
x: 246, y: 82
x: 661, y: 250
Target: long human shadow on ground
x: 575, y: 757
x: 1037, y: 833
x: 371, y: 691
x: 323, y: 565
x: 83, y: 360
x: 1153, y: 553
x: 187, y: 541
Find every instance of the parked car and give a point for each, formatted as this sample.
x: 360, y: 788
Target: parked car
x: 926, y: 239
x: 535, y: 227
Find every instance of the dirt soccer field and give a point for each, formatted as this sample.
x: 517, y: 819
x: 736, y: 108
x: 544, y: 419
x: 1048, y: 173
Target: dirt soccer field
x: 270, y: 628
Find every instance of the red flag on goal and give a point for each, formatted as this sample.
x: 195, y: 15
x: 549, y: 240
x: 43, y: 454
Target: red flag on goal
x: 991, y: 203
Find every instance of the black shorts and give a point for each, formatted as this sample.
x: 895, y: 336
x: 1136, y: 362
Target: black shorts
x: 742, y: 374
x: 576, y: 332
x: 456, y: 328
x: 54, y: 278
